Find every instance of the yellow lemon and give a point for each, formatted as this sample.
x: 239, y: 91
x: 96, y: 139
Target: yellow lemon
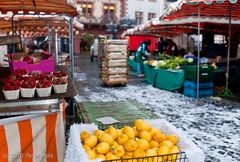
x: 119, y: 151
x: 105, y: 137
x: 153, y: 130
x: 174, y: 150
x: 158, y: 136
x: 129, y: 132
x: 113, y: 132
x: 94, y: 149
x: 100, y: 156
x: 173, y: 139
x: 119, y: 132
x: 86, y: 147
x: 98, y: 132
x: 91, y: 141
x: 154, y: 144
x: 151, y: 152
x: 103, y: 148
x: 127, y: 158
x: 142, y: 125
x: 83, y: 135
x: 129, y: 153
x: 130, y: 145
x: 139, y: 153
x: 143, y: 144
x: 111, y: 156
x: 166, y: 143
x: 146, y: 135
x: 122, y: 139
x: 137, y: 133
x: 163, y: 151
x: 91, y: 154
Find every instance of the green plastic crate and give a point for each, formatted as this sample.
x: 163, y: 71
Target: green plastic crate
x: 205, y: 73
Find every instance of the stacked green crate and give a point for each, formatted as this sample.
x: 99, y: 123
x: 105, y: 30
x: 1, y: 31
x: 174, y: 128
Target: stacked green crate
x: 205, y: 76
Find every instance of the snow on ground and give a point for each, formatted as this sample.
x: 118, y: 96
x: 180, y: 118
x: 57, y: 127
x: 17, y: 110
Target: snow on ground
x: 215, y: 128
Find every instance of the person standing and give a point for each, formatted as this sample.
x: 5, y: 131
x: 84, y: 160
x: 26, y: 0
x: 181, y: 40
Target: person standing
x: 161, y: 45
x: 141, y: 52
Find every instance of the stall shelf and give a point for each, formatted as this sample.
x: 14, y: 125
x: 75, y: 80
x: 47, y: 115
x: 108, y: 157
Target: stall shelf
x: 24, y: 106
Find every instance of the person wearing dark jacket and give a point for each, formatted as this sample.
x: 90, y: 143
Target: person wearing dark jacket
x: 161, y: 45
x: 141, y: 52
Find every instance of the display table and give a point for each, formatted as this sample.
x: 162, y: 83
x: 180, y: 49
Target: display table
x: 150, y: 73
x: 169, y: 79
x: 35, y: 105
x: 132, y: 64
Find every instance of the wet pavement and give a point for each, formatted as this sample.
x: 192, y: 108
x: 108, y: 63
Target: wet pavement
x: 213, y: 125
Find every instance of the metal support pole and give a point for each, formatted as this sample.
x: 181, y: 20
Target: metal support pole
x: 56, y: 47
x: 229, y: 44
x: 71, y: 54
x: 198, y: 62
x: 49, y: 39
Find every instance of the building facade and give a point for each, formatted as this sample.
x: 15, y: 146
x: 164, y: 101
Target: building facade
x: 144, y: 10
x: 97, y: 13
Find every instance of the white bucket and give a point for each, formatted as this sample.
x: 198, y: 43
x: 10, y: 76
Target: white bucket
x: 27, y: 92
x: 11, y: 95
x: 62, y: 88
x: 44, y: 92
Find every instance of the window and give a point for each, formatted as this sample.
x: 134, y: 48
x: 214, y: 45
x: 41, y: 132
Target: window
x: 139, y: 17
x: 87, y: 8
x: 219, y: 39
x: 109, y: 10
x: 151, y: 15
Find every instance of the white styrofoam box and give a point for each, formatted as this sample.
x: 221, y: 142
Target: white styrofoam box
x: 27, y: 92
x: 44, y: 92
x: 60, y: 88
x: 11, y: 95
x: 76, y: 153
x: 117, y: 41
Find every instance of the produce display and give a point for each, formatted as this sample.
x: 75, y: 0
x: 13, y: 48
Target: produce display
x: 37, y: 62
x: 172, y: 63
x: 30, y: 59
x: 140, y: 142
x: 21, y: 81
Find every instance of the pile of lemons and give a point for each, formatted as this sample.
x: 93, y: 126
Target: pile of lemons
x: 138, y: 141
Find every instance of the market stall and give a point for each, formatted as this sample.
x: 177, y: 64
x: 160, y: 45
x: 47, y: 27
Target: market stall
x: 27, y: 92
x: 193, y: 17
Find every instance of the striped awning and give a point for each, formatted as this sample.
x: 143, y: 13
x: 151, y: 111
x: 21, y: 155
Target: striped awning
x: 208, y: 1
x: 68, y: 7
x: 208, y: 8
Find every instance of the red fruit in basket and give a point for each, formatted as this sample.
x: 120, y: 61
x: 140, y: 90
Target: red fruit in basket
x: 59, y: 81
x: 44, y: 83
x: 59, y: 74
x: 20, y: 72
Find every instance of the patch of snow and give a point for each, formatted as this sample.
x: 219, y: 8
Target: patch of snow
x: 215, y: 129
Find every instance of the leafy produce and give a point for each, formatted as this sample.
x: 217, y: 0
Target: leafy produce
x: 172, y: 63
x: 138, y: 141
